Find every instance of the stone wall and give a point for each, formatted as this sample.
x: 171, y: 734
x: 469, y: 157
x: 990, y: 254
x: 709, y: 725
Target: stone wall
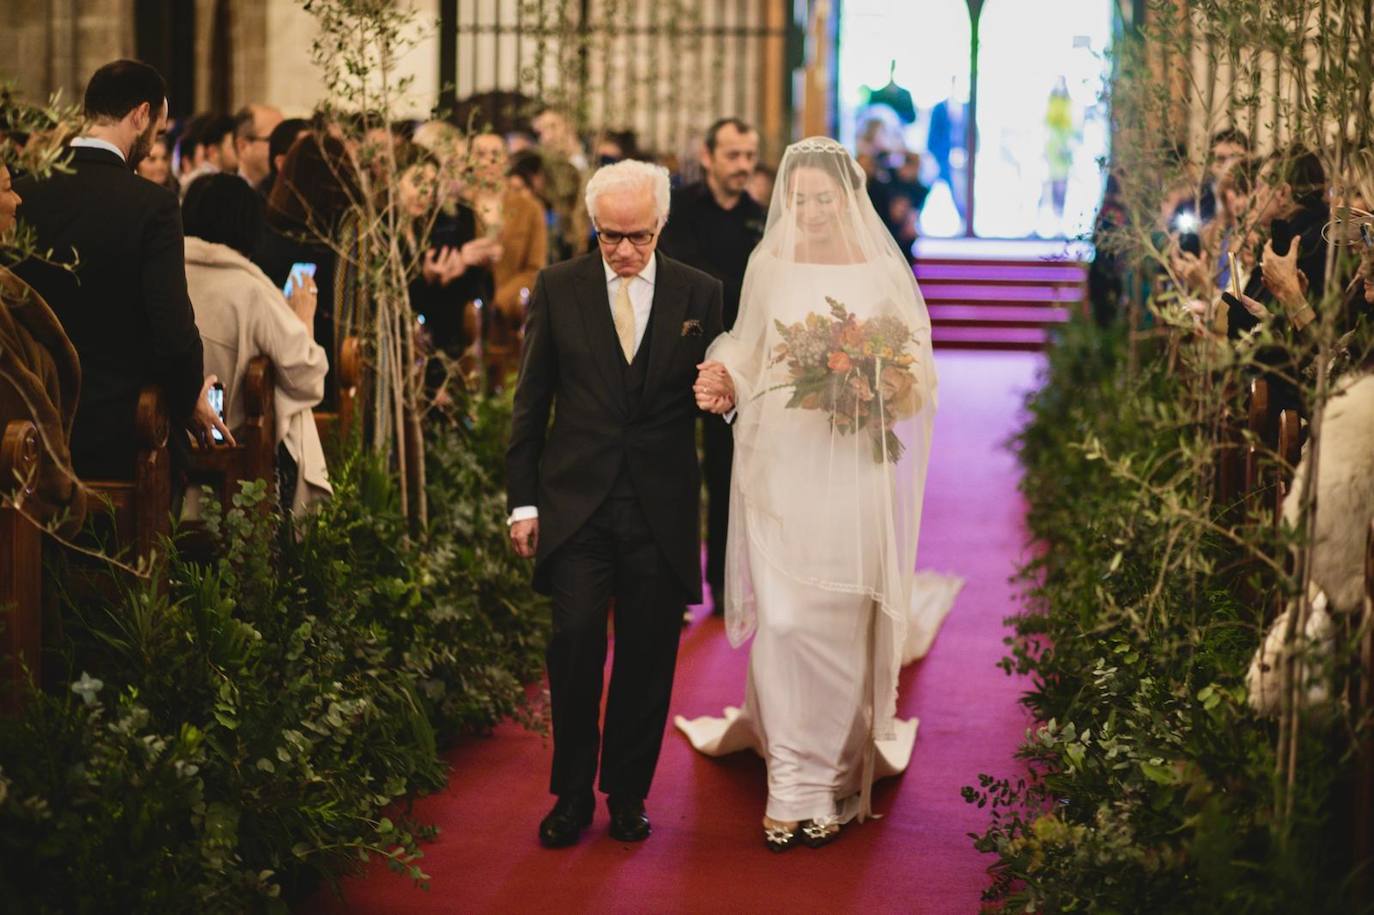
x: 47, y: 45
x: 52, y: 45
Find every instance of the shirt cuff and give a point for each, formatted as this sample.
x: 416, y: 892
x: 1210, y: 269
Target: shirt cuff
x: 730, y: 416
x: 523, y: 513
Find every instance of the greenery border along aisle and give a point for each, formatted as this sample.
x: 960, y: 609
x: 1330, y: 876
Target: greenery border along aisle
x: 230, y: 741
x: 1148, y: 783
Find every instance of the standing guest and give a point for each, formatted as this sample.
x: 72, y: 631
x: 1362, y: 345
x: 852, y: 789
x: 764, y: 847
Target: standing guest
x: 40, y: 379
x: 515, y: 219
x: 184, y: 157
x: 761, y: 185
x: 715, y: 226
x: 527, y: 173
x: 309, y: 203
x: 1289, y: 202
x: 157, y: 165
x: 1228, y: 147
x: 124, y: 303
x: 278, y: 145
x: 455, y: 260
x: 213, y: 150
x: 242, y: 314
x: 565, y: 168
x: 253, y: 127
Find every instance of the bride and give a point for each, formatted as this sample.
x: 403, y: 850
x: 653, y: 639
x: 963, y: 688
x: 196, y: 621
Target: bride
x: 830, y: 370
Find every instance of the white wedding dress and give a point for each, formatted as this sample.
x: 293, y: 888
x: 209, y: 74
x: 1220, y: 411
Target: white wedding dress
x: 820, y: 565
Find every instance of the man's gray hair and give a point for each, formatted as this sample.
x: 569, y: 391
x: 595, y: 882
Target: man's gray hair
x: 630, y: 174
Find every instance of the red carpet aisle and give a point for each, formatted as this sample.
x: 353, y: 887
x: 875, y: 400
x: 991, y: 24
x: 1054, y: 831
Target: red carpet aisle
x: 706, y: 854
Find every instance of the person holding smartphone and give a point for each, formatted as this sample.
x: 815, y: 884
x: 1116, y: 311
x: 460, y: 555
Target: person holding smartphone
x: 1289, y: 206
x: 241, y: 314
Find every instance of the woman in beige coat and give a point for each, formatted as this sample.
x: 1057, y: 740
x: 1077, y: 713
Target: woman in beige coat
x: 242, y: 314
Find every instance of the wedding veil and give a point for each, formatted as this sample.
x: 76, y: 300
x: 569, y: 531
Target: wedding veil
x: 835, y: 394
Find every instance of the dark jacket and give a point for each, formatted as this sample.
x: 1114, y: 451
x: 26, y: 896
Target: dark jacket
x: 572, y: 366
x: 125, y: 307
x: 699, y: 233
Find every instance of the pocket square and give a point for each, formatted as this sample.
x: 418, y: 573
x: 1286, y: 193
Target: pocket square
x: 691, y: 328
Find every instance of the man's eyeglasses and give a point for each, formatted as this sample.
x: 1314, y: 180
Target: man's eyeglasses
x: 613, y: 239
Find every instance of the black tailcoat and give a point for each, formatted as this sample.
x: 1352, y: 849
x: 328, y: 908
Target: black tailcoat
x: 572, y: 366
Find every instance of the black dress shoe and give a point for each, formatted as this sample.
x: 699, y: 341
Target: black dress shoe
x: 565, y: 822
x: 629, y: 823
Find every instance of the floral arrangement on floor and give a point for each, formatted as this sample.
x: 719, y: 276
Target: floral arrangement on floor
x: 857, y: 371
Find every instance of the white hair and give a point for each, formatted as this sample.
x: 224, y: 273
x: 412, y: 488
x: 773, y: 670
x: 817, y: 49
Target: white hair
x: 628, y: 174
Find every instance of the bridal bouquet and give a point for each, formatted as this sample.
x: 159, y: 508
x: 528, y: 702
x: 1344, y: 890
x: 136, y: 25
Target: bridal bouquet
x: 857, y: 371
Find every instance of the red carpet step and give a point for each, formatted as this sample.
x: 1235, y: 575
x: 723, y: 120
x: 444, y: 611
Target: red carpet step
x: 998, y: 295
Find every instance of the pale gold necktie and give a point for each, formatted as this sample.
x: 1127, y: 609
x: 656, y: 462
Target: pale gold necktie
x: 624, y: 314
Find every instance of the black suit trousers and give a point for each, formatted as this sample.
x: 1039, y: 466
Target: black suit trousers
x: 718, y: 447
x: 613, y: 555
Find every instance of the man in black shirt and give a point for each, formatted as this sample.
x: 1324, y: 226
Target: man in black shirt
x: 714, y: 227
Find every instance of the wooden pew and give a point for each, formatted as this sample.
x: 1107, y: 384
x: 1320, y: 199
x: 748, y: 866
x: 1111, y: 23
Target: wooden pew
x: 1260, y: 424
x: 1291, y: 435
x: 348, y: 379
x: 254, y: 457
x: 142, y: 507
x: 21, y: 566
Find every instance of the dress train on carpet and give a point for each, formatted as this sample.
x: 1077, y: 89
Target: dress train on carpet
x: 933, y: 596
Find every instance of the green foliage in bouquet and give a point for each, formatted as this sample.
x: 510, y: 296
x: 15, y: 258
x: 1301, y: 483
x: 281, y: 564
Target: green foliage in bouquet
x: 253, y: 728
x: 1148, y: 785
x: 857, y: 371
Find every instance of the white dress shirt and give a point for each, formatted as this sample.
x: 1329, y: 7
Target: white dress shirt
x: 642, y: 298
x: 94, y: 143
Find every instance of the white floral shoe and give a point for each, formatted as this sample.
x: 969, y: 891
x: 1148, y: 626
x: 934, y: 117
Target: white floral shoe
x: 779, y: 838
x: 820, y: 831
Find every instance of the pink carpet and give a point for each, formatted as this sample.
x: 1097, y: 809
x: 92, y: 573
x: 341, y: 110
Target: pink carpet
x: 706, y: 854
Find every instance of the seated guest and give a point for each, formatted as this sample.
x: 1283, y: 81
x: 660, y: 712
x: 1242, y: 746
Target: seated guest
x: 157, y: 165
x: 242, y: 314
x: 310, y: 202
x: 124, y: 303
x: 40, y: 378
x: 253, y: 126
x: 516, y: 220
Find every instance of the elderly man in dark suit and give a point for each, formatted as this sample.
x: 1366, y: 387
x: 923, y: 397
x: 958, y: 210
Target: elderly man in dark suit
x: 607, y: 501
x: 119, y: 282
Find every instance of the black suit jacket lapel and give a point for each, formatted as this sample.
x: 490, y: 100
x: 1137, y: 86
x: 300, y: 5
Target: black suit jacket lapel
x: 594, y: 303
x: 670, y: 304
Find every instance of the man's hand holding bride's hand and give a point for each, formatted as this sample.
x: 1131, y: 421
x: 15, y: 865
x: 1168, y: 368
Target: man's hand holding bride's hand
x: 714, y: 388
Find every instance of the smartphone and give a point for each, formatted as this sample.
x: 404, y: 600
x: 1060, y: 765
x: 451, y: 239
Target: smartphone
x: 298, y: 272
x: 216, y: 397
x: 1281, y: 235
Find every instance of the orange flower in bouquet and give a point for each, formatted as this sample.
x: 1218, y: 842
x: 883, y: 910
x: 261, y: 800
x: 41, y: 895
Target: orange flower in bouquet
x: 859, y: 372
